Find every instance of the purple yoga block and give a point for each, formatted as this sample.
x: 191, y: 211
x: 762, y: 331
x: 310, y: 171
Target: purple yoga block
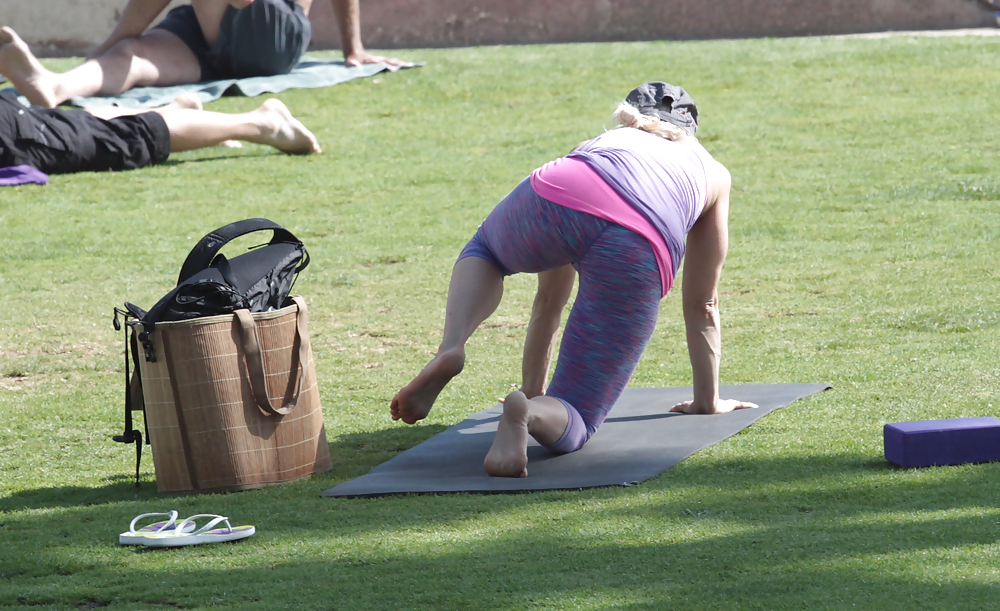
x: 942, y: 442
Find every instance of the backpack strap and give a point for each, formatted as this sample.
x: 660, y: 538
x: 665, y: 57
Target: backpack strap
x: 202, y: 255
x: 131, y: 435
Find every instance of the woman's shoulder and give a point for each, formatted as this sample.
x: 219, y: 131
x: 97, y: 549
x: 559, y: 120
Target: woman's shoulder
x: 713, y: 168
x: 717, y: 172
x: 717, y: 177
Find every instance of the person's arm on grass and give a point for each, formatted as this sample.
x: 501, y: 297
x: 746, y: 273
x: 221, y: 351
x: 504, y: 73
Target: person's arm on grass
x: 136, y: 17
x: 707, y: 244
x: 349, y: 21
x: 554, y: 288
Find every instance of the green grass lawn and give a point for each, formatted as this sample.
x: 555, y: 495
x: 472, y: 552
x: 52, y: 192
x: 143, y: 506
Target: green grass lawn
x: 864, y: 234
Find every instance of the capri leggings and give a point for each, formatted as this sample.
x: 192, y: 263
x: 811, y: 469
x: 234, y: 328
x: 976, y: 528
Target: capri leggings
x: 616, y: 306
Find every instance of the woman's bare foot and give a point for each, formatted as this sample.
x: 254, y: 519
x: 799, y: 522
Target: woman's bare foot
x: 278, y: 128
x: 508, y: 456
x: 187, y: 100
x: 25, y: 72
x: 415, y: 400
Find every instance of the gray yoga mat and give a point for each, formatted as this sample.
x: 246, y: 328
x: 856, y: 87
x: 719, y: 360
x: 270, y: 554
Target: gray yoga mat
x: 639, y: 440
x: 310, y: 73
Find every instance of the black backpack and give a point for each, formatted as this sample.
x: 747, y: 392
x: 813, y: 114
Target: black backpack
x: 209, y: 284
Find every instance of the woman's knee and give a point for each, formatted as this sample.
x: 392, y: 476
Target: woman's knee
x: 156, y: 46
x: 126, y: 49
x: 121, y: 70
x: 576, y: 433
x: 140, y: 61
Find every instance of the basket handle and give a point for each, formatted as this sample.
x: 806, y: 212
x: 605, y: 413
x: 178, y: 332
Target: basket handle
x: 255, y: 360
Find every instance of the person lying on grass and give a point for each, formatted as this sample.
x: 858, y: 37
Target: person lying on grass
x: 205, y: 40
x: 58, y: 141
x: 616, y: 211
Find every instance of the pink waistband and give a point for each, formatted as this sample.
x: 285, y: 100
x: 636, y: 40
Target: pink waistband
x: 572, y: 183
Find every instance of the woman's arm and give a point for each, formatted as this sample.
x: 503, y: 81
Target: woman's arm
x: 554, y: 288
x: 349, y: 21
x: 707, y: 244
x: 136, y: 17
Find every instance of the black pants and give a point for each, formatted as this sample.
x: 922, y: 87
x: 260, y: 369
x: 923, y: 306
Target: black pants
x: 60, y: 141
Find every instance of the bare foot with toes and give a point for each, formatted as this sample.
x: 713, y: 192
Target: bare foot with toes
x: 415, y: 400
x: 508, y: 456
x: 25, y: 72
x: 278, y: 128
x: 187, y: 100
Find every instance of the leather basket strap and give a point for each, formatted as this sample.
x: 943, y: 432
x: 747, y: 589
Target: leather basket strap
x: 255, y: 359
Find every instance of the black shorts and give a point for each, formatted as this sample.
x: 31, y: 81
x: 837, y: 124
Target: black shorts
x: 60, y: 141
x: 263, y: 39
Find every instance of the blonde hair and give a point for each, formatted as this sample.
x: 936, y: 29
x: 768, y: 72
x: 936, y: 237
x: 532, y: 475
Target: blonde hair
x: 629, y: 116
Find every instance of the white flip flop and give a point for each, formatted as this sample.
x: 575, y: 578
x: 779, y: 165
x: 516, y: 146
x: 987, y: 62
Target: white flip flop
x: 134, y: 537
x: 182, y: 535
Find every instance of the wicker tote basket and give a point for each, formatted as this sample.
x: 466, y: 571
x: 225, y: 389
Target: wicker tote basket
x: 232, y: 401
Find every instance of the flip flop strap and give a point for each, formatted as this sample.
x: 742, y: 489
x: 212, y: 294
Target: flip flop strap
x: 212, y: 524
x: 172, y: 515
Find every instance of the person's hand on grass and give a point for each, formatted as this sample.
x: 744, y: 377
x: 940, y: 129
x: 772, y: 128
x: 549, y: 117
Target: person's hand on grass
x: 721, y: 407
x: 364, y: 57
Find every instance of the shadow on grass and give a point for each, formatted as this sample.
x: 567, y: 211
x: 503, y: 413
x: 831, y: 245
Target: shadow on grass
x: 828, y: 531
x: 806, y: 484
x: 860, y: 552
x: 352, y: 455
x: 119, y: 488
x: 235, y: 155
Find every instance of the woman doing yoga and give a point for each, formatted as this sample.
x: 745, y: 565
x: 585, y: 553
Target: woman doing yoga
x: 616, y: 210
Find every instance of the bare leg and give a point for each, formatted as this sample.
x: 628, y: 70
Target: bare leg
x: 185, y: 101
x: 271, y: 124
x: 23, y: 69
x: 155, y: 58
x: 544, y: 418
x: 474, y: 293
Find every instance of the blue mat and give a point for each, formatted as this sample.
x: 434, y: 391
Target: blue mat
x: 310, y: 73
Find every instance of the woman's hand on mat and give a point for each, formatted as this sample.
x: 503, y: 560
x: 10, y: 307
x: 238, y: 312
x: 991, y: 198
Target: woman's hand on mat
x: 364, y: 57
x: 722, y: 406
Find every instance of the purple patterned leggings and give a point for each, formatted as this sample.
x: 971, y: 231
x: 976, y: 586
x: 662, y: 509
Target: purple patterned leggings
x: 616, y: 305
